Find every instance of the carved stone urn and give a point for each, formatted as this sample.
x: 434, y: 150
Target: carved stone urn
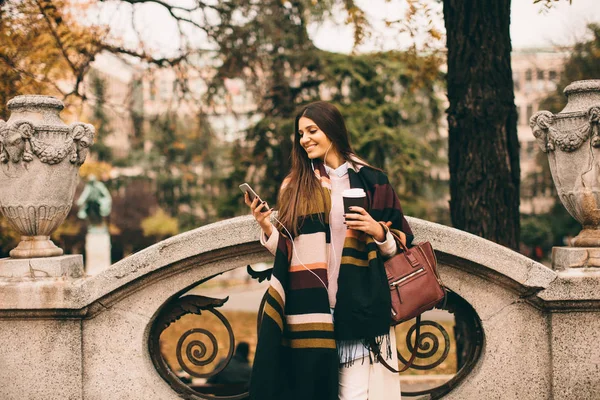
x: 571, y: 140
x: 40, y: 158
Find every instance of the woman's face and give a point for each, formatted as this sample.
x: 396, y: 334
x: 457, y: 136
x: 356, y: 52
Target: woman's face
x: 312, y: 139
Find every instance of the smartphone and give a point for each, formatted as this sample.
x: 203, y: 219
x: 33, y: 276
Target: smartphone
x: 251, y: 193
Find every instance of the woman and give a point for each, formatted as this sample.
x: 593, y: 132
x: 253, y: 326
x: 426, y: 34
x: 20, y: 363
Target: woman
x: 328, y: 306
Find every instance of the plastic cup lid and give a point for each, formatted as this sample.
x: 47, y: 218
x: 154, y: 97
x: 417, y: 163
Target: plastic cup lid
x: 355, y: 193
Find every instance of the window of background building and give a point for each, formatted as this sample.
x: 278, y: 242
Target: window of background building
x: 540, y: 75
x: 164, y: 89
x: 516, y: 81
x: 523, y: 115
x: 152, y: 89
x: 528, y: 75
x: 540, y: 82
x: 176, y: 86
x: 529, y: 112
x: 530, y: 150
x: 552, y: 75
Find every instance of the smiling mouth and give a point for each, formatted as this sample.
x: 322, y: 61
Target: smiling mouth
x: 310, y: 147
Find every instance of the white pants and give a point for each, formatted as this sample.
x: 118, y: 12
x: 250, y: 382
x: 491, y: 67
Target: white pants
x: 366, y: 381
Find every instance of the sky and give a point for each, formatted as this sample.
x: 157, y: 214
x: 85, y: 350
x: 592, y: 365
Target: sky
x: 530, y: 27
x: 561, y: 25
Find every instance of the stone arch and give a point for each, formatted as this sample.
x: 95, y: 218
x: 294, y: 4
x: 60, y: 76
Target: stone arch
x: 117, y: 307
x: 235, y: 243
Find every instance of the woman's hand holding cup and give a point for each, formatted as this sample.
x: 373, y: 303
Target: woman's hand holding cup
x: 262, y: 217
x: 355, y: 202
x: 358, y: 218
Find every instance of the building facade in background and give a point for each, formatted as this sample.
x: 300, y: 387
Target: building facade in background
x: 132, y: 92
x: 535, y: 75
x: 121, y: 97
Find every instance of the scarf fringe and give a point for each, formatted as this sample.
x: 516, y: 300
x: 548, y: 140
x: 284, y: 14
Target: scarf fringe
x: 383, y: 344
x: 347, y: 353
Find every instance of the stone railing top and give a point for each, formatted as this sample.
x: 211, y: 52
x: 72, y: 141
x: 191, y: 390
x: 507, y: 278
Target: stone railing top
x: 487, y: 257
x: 455, y: 247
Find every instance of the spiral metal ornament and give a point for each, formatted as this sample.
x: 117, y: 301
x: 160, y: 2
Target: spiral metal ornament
x: 197, y: 347
x: 196, y: 350
x: 191, y: 350
x: 468, y: 340
x: 428, y: 346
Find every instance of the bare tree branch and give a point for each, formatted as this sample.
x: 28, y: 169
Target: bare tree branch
x: 548, y: 3
x: 171, y: 9
x: 9, y: 62
x: 57, y: 38
x: 144, y: 56
x: 199, y: 5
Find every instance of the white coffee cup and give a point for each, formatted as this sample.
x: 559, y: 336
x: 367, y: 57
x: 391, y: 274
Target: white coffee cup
x: 354, y: 197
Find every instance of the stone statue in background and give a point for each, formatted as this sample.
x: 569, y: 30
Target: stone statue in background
x: 94, y: 203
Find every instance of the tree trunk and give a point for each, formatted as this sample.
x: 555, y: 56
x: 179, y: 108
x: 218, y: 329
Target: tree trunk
x: 482, y: 119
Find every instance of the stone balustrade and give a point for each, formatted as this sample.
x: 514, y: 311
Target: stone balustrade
x: 67, y: 336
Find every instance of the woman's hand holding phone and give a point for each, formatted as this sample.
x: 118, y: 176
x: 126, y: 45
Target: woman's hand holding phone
x: 262, y: 217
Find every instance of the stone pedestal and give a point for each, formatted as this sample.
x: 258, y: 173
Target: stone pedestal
x: 97, y: 251
x: 564, y: 258
x: 70, y: 266
x: 575, y: 297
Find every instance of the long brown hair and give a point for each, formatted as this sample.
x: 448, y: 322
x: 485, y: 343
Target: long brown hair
x: 302, y: 193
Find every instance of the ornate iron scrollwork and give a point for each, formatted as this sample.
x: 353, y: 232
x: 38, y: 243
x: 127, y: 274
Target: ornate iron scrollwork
x: 469, y: 340
x: 196, y: 347
x: 429, y: 344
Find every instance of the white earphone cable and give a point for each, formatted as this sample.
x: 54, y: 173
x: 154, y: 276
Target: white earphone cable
x: 332, y: 247
x: 292, y: 240
x: 330, y: 209
x: 326, y: 151
x: 296, y: 254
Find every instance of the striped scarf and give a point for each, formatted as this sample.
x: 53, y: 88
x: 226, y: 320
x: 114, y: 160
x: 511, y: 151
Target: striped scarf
x: 296, y: 355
